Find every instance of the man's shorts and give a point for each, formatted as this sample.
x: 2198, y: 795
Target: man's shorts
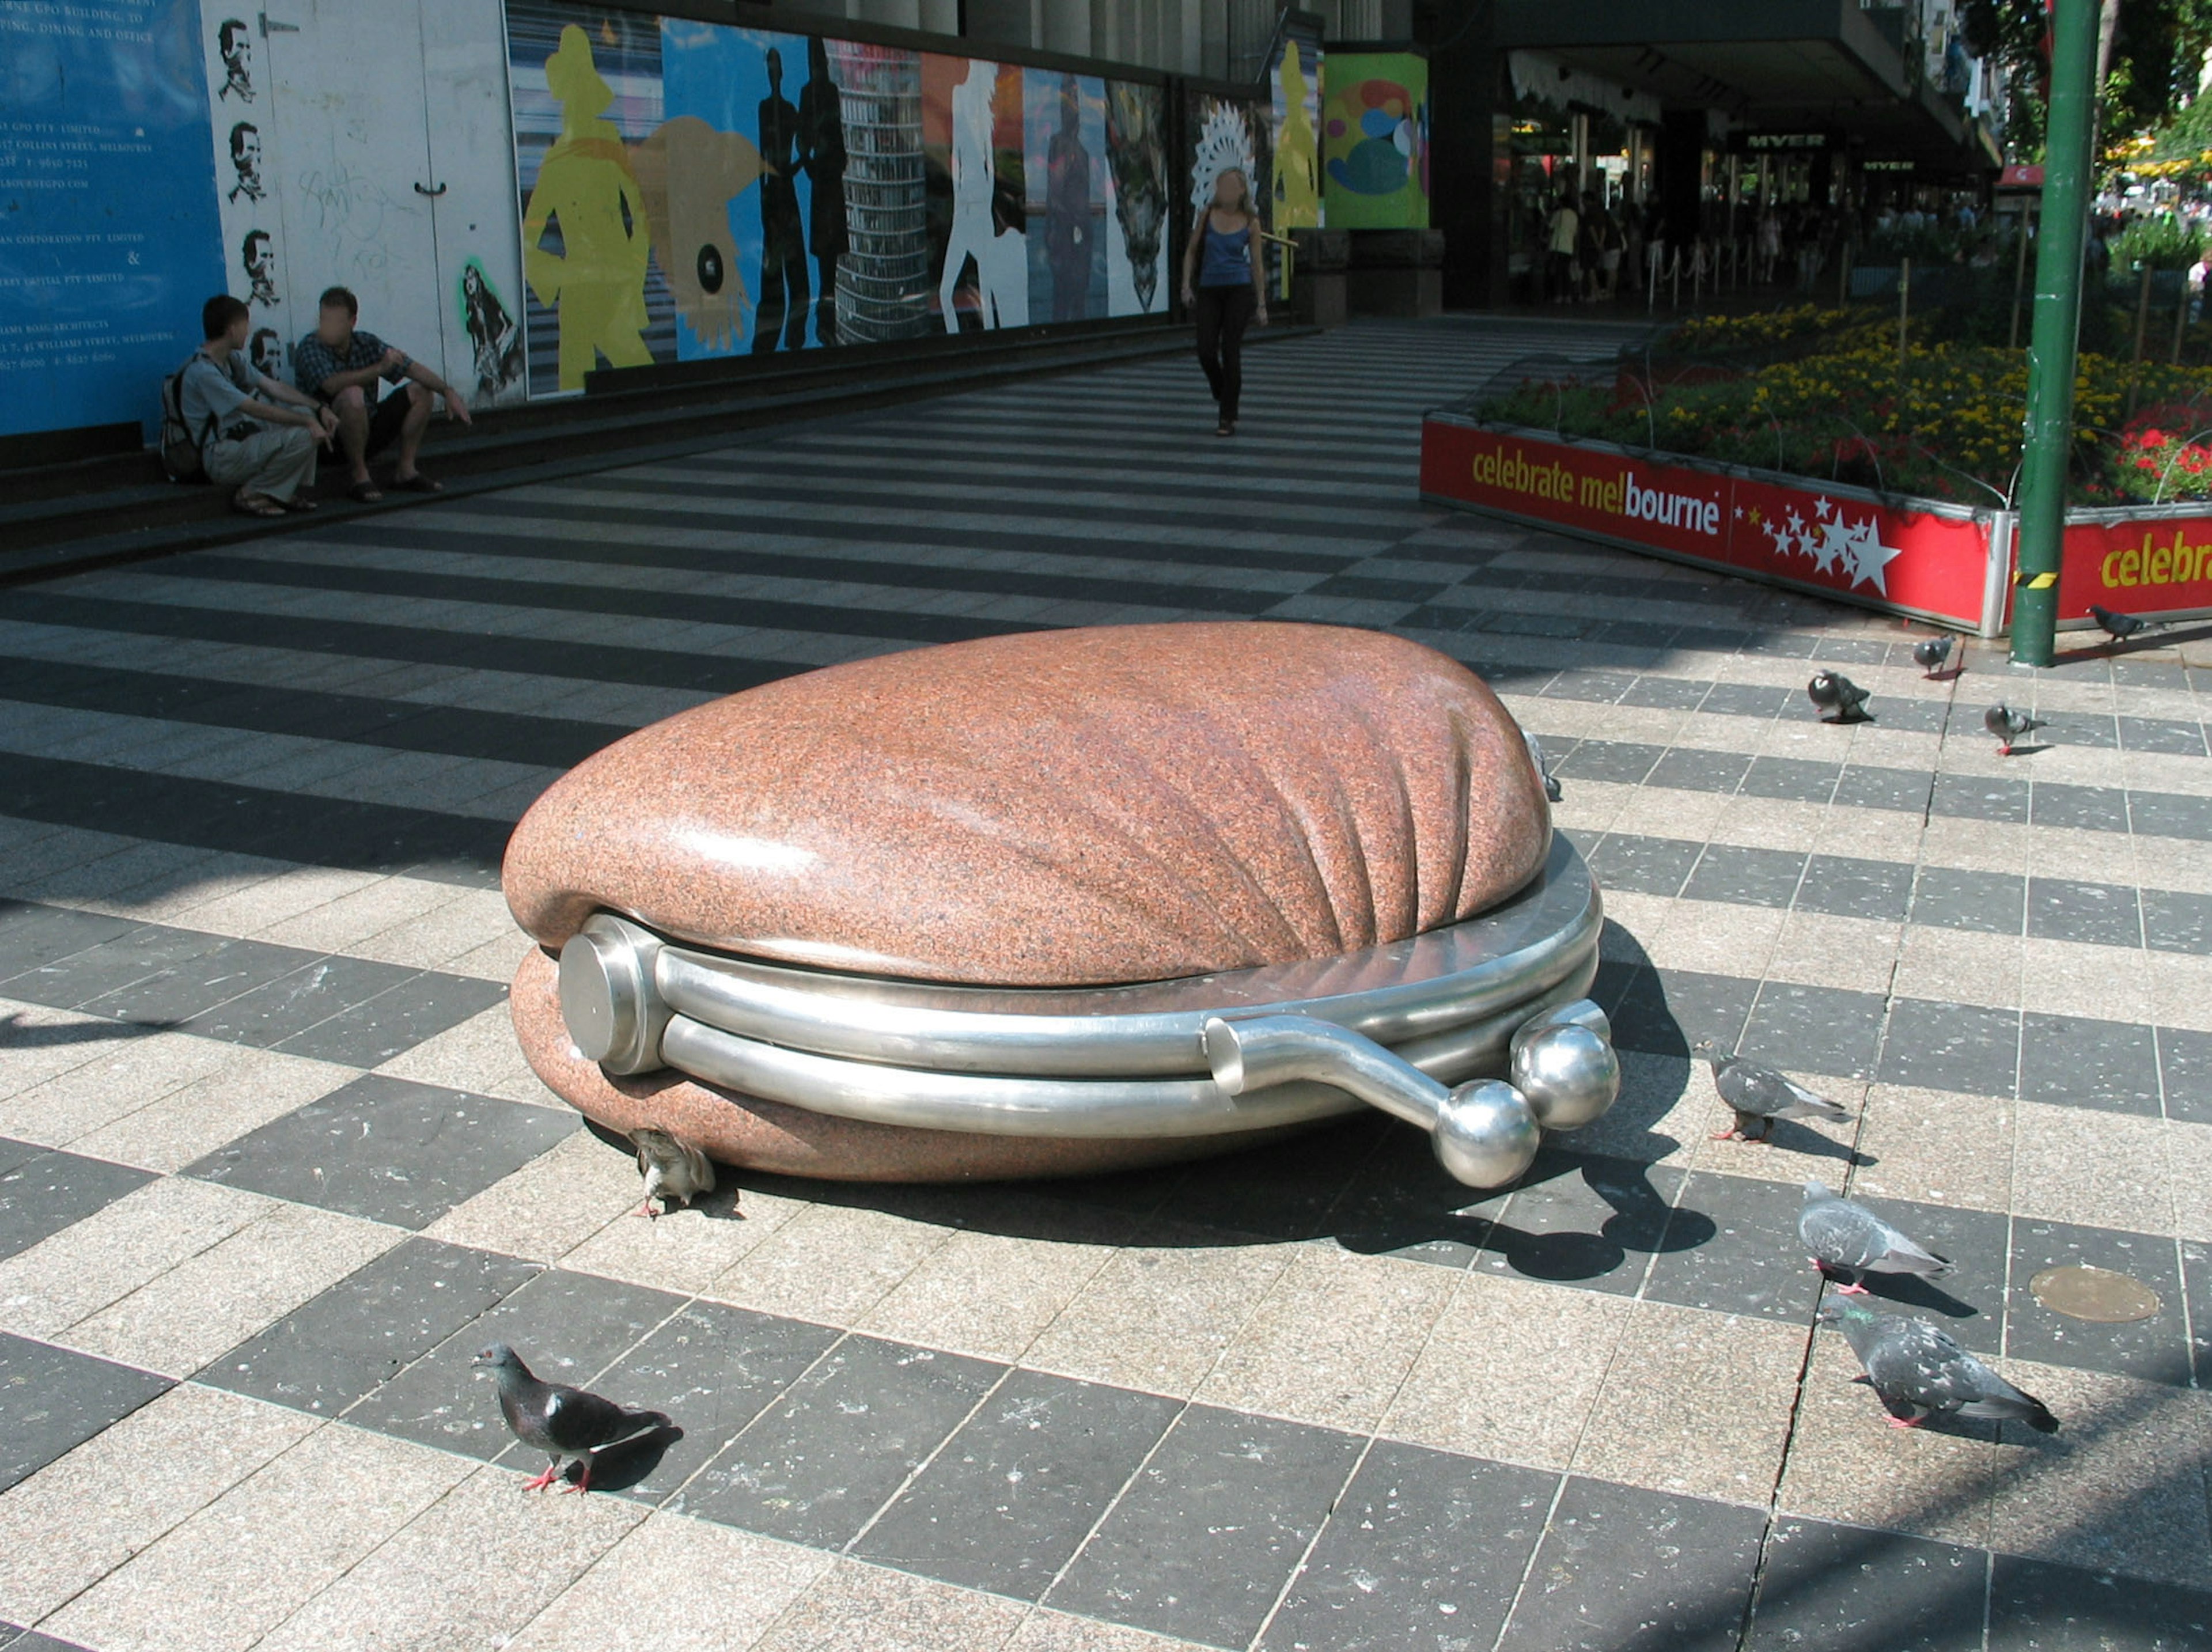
x: 385, y: 418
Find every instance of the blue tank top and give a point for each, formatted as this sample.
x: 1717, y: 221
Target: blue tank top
x: 1228, y: 261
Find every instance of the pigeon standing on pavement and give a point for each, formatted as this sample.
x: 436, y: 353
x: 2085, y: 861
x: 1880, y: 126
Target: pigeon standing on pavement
x: 1919, y: 1371
x: 1758, y: 1094
x: 561, y: 1422
x: 2118, y: 626
x: 1847, y: 1238
x: 672, y: 1170
x: 2008, y: 726
x: 1929, y: 654
x: 1543, y: 766
x: 1839, y: 698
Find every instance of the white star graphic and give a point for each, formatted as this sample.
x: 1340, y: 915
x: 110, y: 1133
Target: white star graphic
x: 1823, y: 505
x: 1834, y: 546
x: 1868, y: 556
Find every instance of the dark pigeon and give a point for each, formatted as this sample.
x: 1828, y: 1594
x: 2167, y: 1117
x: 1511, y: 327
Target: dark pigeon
x: 2118, y: 626
x: 1929, y: 654
x: 1759, y: 1096
x: 558, y: 1420
x: 2009, y: 725
x: 1839, y: 698
x: 1847, y: 1238
x: 1919, y: 1372
x: 1543, y: 766
x: 673, y: 1170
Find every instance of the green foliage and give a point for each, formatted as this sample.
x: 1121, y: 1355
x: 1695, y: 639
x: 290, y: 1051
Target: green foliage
x: 2158, y: 46
x: 2163, y: 243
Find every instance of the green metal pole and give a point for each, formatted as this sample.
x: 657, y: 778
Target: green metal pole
x: 2066, y: 185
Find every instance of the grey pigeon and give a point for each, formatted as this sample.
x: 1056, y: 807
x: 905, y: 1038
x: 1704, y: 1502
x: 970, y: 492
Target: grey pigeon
x: 561, y: 1422
x: 1759, y: 1096
x: 2009, y: 725
x: 1931, y: 652
x: 1839, y: 698
x: 673, y: 1170
x: 1543, y: 766
x: 1848, y: 1238
x: 1919, y: 1371
x: 2118, y: 626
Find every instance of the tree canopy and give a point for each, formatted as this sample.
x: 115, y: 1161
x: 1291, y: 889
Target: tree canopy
x: 2156, y: 54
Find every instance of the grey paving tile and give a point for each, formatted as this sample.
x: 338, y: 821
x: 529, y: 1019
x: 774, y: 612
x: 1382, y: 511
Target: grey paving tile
x: 46, y: 1190
x: 32, y: 1640
x: 1731, y: 1247
x: 173, y: 995
x: 1968, y: 1303
x: 1645, y: 866
x: 1796, y: 779
x: 1579, y: 1218
x: 1937, y: 1046
x: 1839, y: 1586
x: 1751, y: 699
x: 1668, y: 693
x: 1816, y: 1028
x: 388, y: 1149
x: 2176, y: 922
x: 1864, y: 786
x: 818, y: 1464
x: 567, y: 1327
x: 2075, y: 1061
x: 1687, y: 768
x: 2036, y: 1606
x: 1203, y: 1541
x: 2084, y: 808
x: 1623, y: 763
x: 1008, y: 1501
x: 2162, y: 735
x: 2077, y: 728
x: 2196, y: 1283
x: 1994, y: 903
x: 1915, y: 716
x: 2063, y: 910
x: 82, y: 975
x: 31, y: 934
x: 342, y: 1345
x: 1603, y: 687
x: 2185, y: 1070
x: 314, y: 991
x: 1746, y: 876
x: 2162, y: 814
x: 1623, y: 1570
x: 1976, y: 798
x: 369, y: 1033
x: 1665, y: 1012
x: 713, y: 1369
x: 1854, y: 888
x: 53, y: 1399
x: 2154, y: 1350
x: 1423, y: 1553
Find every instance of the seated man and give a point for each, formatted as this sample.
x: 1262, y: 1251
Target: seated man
x: 255, y: 433
x: 339, y: 365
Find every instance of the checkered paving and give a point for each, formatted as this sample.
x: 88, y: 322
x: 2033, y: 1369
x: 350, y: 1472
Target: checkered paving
x: 272, y: 1169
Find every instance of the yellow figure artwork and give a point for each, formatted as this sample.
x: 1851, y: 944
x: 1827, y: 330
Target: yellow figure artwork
x: 1297, y: 159
x: 690, y: 172
x: 596, y: 282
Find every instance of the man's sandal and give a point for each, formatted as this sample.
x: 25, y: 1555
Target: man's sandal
x: 253, y: 504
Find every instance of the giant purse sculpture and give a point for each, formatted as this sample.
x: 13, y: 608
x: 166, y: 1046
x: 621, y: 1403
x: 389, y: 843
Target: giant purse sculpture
x: 1068, y: 901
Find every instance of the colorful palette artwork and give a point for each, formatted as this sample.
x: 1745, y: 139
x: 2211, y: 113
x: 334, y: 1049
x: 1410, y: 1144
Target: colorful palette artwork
x: 1374, y: 131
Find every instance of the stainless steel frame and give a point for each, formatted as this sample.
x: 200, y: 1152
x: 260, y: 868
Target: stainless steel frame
x: 1394, y: 1026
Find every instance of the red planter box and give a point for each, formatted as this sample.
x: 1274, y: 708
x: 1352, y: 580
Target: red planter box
x: 1924, y: 558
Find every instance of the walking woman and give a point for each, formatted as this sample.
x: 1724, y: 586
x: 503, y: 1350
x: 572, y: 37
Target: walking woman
x: 1224, y: 284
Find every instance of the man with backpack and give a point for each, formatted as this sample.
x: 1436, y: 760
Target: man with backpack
x: 254, y: 433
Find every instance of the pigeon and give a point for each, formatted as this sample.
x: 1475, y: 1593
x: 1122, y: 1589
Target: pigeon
x: 1543, y: 766
x: 1839, y: 699
x: 1759, y: 1096
x: 2008, y: 726
x: 672, y: 1170
x: 559, y: 1421
x: 1929, y: 654
x: 1850, y: 1239
x: 2118, y: 626
x: 1919, y: 1371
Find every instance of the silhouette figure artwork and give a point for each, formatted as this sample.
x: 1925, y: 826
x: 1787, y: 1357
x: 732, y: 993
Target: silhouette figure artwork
x: 821, y: 153
x: 1298, y: 154
x: 690, y: 174
x: 1002, y: 293
x: 586, y: 188
x: 233, y: 43
x: 784, y: 290
x: 1067, y: 234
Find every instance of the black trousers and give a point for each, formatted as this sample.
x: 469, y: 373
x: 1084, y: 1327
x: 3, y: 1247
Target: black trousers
x: 1222, y: 314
